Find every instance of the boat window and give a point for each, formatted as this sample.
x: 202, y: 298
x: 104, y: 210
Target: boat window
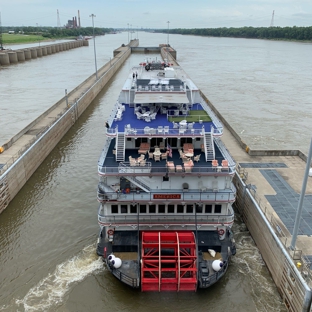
x: 208, y: 208
x: 185, y: 140
x: 161, y: 208
x: 165, y: 178
x: 217, y: 208
x: 133, y: 209
x: 199, y: 209
x: 173, y: 142
x: 138, y: 141
x: 170, y: 208
x: 123, y: 209
x: 114, y: 208
x: 142, y: 208
x: 189, y: 209
x: 156, y: 141
x: 180, y: 209
x: 152, y: 209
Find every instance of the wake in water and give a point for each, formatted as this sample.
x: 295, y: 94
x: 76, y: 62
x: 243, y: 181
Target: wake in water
x: 249, y: 262
x: 51, y: 290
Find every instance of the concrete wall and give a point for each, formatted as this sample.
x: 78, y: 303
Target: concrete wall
x: 16, y: 175
x: 294, y: 291
x: 9, y: 57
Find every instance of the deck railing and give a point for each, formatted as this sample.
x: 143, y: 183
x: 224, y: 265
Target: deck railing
x: 191, y: 219
x: 146, y: 131
x: 125, y: 168
x: 224, y: 196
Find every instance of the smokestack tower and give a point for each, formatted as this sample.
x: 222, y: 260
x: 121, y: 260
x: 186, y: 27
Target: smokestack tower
x: 79, y: 19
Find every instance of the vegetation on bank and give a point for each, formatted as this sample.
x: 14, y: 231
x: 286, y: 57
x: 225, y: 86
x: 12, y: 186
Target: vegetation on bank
x: 275, y: 33
x: 18, y: 38
x: 33, y: 34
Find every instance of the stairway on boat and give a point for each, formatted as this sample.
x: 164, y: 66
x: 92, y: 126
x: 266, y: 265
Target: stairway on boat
x: 139, y: 182
x: 120, y: 146
x: 209, y: 146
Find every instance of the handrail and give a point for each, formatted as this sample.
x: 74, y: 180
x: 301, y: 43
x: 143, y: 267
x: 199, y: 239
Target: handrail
x: 125, y: 168
x: 155, y: 131
x: 123, y: 277
x: 191, y: 219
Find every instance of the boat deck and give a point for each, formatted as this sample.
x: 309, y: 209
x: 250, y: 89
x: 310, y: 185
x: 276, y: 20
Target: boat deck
x: 129, y: 118
x: 159, y: 167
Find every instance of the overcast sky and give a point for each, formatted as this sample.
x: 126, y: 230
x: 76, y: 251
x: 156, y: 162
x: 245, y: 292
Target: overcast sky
x: 156, y: 14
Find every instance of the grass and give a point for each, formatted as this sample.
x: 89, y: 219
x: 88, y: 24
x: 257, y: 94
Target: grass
x: 19, y: 38
x: 194, y: 116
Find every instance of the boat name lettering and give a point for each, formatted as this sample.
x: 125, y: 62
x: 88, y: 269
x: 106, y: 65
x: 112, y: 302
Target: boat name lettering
x: 167, y: 196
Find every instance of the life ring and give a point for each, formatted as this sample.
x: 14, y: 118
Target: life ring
x: 110, y: 232
x: 221, y: 232
x: 127, y: 190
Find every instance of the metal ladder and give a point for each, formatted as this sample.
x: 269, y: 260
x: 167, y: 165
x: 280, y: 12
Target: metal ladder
x: 120, y: 146
x: 209, y: 146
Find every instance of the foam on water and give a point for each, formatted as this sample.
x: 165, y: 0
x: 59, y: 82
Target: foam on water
x: 248, y: 261
x: 51, y: 290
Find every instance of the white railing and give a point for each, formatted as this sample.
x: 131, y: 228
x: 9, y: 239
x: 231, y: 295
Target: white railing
x: 125, y: 167
x: 190, y: 219
x: 190, y: 196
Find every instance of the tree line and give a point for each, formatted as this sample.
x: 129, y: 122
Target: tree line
x: 54, y: 32
x: 278, y: 33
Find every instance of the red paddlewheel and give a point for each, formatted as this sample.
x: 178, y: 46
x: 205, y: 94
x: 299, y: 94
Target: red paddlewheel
x: 168, y: 261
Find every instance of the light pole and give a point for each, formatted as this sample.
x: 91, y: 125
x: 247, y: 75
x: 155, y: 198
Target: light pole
x: 168, y: 35
x: 96, y: 75
x: 137, y: 32
x: 128, y: 33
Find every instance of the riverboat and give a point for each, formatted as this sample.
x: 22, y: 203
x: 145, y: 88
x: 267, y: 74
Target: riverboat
x: 165, y: 187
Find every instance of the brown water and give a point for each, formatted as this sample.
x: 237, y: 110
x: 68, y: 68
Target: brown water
x: 48, y: 232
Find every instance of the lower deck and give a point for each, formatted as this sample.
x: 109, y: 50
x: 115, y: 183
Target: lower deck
x: 167, y: 260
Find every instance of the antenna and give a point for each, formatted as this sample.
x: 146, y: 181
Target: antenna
x: 58, y: 19
x: 272, y: 20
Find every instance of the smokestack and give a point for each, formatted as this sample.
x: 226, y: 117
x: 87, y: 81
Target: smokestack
x: 79, y: 19
x: 75, y: 21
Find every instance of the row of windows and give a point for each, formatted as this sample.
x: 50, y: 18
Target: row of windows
x: 174, y: 142
x: 115, y: 209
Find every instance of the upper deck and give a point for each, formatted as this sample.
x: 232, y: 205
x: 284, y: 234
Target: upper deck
x: 163, y: 108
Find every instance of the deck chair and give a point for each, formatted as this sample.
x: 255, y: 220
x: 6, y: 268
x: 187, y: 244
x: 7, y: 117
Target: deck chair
x: 197, y: 158
x: 157, y: 157
x: 225, y: 163
x: 214, y: 163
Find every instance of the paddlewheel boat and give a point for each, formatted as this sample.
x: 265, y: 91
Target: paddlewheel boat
x: 165, y: 185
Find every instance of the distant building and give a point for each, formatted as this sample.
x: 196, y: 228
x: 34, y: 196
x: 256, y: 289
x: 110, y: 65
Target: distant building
x: 11, y: 32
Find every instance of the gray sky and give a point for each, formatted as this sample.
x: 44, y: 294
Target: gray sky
x: 155, y: 14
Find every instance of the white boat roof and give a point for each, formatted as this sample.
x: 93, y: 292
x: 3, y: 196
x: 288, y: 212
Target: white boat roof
x: 156, y: 97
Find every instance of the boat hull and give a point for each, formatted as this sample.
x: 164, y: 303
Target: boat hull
x: 166, y: 260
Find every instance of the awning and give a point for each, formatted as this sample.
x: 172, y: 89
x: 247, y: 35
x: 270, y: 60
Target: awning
x: 156, y: 97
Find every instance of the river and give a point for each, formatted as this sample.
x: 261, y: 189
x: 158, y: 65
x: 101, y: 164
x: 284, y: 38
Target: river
x: 49, y: 230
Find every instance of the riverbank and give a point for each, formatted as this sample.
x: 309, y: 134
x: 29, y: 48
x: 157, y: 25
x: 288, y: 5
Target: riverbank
x: 15, y: 39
